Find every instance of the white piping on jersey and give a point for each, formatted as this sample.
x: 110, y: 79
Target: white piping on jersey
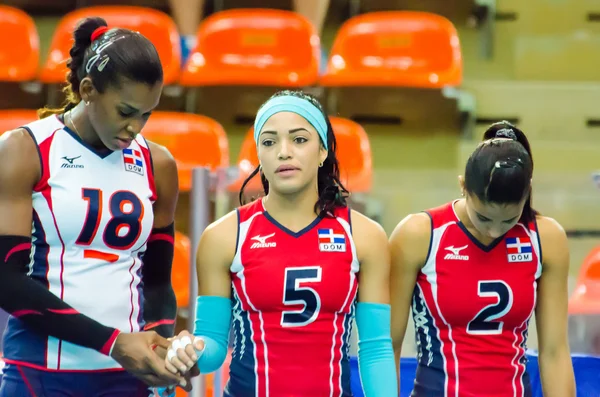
x: 429, y: 270
x: 237, y: 267
x: 355, y: 267
x: 517, y: 347
x: 535, y: 243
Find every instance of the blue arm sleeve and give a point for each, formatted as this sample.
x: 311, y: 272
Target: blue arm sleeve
x: 213, y: 318
x: 375, y: 352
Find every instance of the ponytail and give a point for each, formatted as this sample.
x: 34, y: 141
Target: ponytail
x: 501, y: 167
x: 82, y: 40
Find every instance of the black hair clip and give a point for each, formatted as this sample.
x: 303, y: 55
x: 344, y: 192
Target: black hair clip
x: 506, y: 133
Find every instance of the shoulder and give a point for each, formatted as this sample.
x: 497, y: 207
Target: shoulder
x: 411, y: 238
x: 367, y: 234
x: 223, y: 229
x: 161, y: 157
x: 220, y: 237
x: 365, y: 226
x: 413, y: 228
x: 19, y: 155
x: 553, y: 240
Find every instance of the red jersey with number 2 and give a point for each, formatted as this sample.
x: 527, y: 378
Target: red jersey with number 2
x: 471, y: 308
x: 293, y: 299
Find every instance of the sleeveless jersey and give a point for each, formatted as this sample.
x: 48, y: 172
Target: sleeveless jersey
x: 471, y: 308
x: 293, y: 299
x: 92, y: 216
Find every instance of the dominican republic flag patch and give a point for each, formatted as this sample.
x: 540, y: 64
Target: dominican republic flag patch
x: 519, y: 249
x: 132, y: 159
x: 332, y: 240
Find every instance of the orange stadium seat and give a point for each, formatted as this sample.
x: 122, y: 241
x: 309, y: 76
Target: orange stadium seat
x: 586, y: 296
x: 180, y: 274
x: 11, y: 119
x: 353, y: 153
x: 19, y: 47
x: 260, y: 47
x: 193, y: 140
x: 395, y: 48
x: 157, y: 26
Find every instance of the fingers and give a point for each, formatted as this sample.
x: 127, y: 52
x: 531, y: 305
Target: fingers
x: 185, y: 351
x: 159, y: 369
x: 170, y: 367
x: 199, y: 344
x: 174, y: 360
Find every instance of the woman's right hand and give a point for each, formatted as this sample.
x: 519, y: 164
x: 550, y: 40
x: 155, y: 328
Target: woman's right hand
x: 183, y: 353
x: 135, y: 353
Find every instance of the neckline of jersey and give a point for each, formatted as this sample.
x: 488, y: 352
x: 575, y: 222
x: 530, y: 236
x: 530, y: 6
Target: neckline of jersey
x: 74, y: 135
x: 285, y: 229
x: 479, y: 244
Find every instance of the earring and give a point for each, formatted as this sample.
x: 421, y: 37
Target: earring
x: 86, y: 103
x: 320, y: 164
x: 462, y: 193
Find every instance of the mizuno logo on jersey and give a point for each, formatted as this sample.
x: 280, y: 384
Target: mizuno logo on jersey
x: 132, y: 159
x: 455, y: 253
x: 69, y: 162
x: 519, y: 249
x: 261, y: 242
x: 331, y: 240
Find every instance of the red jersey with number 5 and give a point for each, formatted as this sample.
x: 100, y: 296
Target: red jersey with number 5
x: 471, y: 308
x: 293, y: 298
x: 92, y: 217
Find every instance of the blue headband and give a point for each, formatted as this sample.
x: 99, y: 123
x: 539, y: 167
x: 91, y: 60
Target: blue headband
x: 290, y: 103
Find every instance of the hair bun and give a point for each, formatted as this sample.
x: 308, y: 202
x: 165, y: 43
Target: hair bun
x: 506, y: 133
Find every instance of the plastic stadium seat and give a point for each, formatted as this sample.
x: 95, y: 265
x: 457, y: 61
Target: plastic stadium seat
x: 260, y: 47
x: 180, y: 274
x: 395, y: 48
x: 353, y: 153
x: 194, y: 141
x: 12, y: 119
x: 157, y: 26
x: 586, y: 296
x: 19, y: 46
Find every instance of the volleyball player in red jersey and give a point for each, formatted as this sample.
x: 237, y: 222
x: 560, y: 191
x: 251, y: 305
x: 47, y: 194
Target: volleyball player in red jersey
x: 473, y: 271
x: 288, y: 270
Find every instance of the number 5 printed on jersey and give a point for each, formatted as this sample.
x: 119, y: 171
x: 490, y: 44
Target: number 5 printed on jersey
x: 485, y: 322
x: 124, y: 226
x: 294, y: 294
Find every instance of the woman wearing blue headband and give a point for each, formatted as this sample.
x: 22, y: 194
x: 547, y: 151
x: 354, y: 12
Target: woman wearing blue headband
x: 290, y: 271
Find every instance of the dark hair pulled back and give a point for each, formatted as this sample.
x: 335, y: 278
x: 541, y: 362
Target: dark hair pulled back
x: 500, y: 170
x: 332, y: 193
x: 114, y: 55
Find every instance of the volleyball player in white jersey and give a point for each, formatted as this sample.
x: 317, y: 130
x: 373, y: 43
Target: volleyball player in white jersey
x: 86, y: 230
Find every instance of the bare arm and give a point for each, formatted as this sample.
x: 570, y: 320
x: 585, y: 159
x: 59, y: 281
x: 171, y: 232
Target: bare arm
x: 160, y: 303
x: 216, y: 250
x: 556, y: 367
x: 409, y: 244
x: 375, y: 351
x: 374, y: 257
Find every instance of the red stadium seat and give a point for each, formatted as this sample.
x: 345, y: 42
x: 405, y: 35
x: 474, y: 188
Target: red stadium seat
x: 194, y: 141
x: 395, y: 48
x: 12, y: 119
x: 353, y: 153
x: 19, y: 46
x: 157, y: 26
x: 586, y: 296
x: 259, y: 47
